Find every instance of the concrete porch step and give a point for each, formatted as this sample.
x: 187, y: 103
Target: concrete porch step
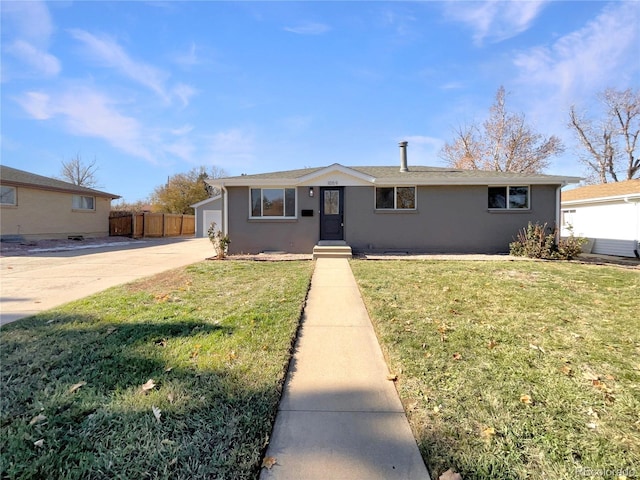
x: 332, y: 250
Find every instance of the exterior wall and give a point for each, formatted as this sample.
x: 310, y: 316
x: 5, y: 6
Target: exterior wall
x: 207, y: 213
x: 448, y: 219
x: 452, y: 219
x: 255, y: 236
x: 42, y: 214
x: 614, y: 226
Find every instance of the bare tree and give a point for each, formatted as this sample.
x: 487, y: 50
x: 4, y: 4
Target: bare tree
x: 609, y: 146
x: 503, y: 143
x: 79, y: 173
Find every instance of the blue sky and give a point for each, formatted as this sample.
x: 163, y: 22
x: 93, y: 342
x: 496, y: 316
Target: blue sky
x: 150, y: 89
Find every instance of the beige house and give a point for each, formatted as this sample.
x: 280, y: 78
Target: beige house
x: 33, y: 207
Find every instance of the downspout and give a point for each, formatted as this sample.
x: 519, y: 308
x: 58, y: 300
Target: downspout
x: 558, y: 212
x: 225, y: 210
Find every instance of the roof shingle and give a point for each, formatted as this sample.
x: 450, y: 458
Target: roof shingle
x: 603, y: 190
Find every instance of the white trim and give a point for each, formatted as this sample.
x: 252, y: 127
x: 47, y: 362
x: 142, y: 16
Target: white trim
x: 15, y: 196
x: 205, y: 201
x: 628, y: 197
x: 514, y: 185
x: 284, y: 206
x: 395, y: 198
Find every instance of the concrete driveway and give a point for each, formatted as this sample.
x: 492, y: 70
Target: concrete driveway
x: 39, y: 281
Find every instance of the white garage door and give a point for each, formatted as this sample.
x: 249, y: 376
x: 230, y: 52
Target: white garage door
x: 211, y: 216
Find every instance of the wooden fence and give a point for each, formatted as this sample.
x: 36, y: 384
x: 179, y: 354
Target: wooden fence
x: 139, y: 225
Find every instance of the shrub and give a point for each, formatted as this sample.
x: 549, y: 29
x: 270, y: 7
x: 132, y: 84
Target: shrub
x: 219, y: 241
x: 539, y: 241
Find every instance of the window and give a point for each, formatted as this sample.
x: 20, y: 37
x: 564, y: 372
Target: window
x: 395, y: 198
x: 7, y: 195
x: 509, y: 197
x: 81, y: 202
x: 567, y: 218
x: 273, y: 202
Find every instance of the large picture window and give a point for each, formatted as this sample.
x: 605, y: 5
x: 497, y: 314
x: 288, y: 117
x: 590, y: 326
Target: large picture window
x: 273, y: 202
x: 509, y: 197
x: 82, y: 202
x: 395, y: 198
x: 7, y: 195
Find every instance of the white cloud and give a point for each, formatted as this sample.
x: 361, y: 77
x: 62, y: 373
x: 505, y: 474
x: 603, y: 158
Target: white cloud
x: 39, y: 60
x: 603, y: 53
x: 230, y: 148
x: 29, y: 21
x: 309, y: 29
x: 108, y: 52
x: 188, y: 59
x: 88, y: 113
x: 184, y: 93
x: 495, y: 20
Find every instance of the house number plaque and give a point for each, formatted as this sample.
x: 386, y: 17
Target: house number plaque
x: 332, y: 182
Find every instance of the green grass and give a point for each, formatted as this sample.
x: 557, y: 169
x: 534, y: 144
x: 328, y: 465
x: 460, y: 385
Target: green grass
x: 513, y: 370
x: 215, y: 337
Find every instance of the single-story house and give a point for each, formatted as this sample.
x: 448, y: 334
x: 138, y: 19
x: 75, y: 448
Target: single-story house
x: 607, y: 214
x: 208, y: 211
x: 402, y: 208
x: 33, y: 207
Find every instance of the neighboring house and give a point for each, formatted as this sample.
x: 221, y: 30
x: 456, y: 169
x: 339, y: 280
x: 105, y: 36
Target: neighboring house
x: 608, y: 214
x: 34, y: 207
x: 385, y: 209
x: 208, y: 211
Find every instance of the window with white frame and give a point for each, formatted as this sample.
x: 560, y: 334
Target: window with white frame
x: 273, y: 202
x: 509, y: 197
x: 395, y: 198
x: 7, y: 195
x: 83, y: 202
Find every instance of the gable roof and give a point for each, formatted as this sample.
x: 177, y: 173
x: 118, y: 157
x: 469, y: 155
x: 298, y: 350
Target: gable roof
x: 391, y: 175
x: 20, y: 178
x: 613, y: 190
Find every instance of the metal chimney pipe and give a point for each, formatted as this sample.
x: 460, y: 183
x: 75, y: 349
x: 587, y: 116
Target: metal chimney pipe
x: 403, y: 156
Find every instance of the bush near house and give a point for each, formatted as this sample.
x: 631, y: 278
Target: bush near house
x: 539, y: 241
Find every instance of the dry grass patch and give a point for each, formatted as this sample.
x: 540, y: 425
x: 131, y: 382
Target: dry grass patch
x: 176, y: 376
x: 513, y: 370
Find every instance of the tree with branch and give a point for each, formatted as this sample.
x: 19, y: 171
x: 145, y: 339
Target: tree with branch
x: 79, y: 173
x: 183, y: 190
x: 609, y: 145
x: 504, y: 142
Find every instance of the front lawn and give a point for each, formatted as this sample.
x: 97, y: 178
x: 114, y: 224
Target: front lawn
x: 176, y: 376
x: 513, y: 370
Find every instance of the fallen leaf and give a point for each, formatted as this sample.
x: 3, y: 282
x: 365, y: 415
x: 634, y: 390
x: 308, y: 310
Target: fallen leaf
x: 488, y: 432
x: 168, y: 369
x: 590, y: 375
x: 156, y: 412
x: 77, y: 386
x: 150, y: 385
x: 592, y: 425
x: 492, y: 344
x: 39, y: 443
x: 269, y: 462
x: 567, y: 370
x: 392, y: 377
x: 170, y: 397
x: 436, y: 409
x: 526, y: 399
x: 37, y: 419
x: 457, y: 356
x: 111, y: 330
x: 592, y: 413
x: 445, y: 289
x: 450, y: 475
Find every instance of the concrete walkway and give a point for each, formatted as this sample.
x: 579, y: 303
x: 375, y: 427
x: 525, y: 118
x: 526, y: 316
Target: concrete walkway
x: 339, y: 417
x: 32, y: 283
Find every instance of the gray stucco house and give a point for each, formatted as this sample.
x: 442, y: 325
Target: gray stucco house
x: 402, y: 208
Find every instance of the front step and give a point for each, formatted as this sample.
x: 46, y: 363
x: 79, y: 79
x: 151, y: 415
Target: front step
x: 326, y: 249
